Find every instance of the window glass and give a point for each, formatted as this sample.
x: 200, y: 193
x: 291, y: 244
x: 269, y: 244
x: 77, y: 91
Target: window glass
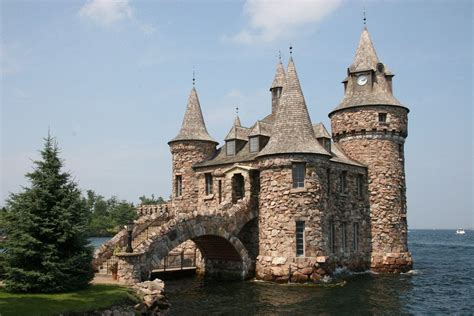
x: 298, y: 170
x: 179, y: 185
x: 382, y: 117
x: 300, y: 238
x: 360, y: 184
x: 343, y: 182
x: 230, y: 147
x: 355, y: 237
x: 254, y: 144
x: 208, y: 183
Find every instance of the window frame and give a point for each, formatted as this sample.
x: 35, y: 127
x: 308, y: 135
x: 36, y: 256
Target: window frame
x: 209, y: 183
x: 360, y: 185
x: 355, y: 236
x: 234, y: 147
x: 332, y: 237
x: 300, y: 238
x: 383, y: 117
x: 343, y: 182
x: 178, y: 185
x: 344, y: 237
x: 251, y: 141
x: 298, y: 177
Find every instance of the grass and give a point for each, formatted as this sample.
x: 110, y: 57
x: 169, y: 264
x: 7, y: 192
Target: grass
x: 97, y: 296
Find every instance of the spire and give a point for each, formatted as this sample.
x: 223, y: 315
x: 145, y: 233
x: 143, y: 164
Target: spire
x: 280, y: 77
x: 365, y: 57
x: 292, y: 130
x: 237, y: 121
x: 193, y: 126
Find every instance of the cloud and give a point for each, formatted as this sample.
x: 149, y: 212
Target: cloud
x: 106, y: 12
x: 270, y: 20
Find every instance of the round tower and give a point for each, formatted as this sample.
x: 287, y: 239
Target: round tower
x: 370, y: 125
x: 192, y: 145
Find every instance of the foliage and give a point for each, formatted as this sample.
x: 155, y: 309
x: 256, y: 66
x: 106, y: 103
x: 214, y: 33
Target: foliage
x: 144, y: 200
x: 45, y: 224
x: 107, y: 217
x: 96, y: 296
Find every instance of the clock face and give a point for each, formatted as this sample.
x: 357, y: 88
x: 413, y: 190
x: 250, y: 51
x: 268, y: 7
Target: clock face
x: 361, y: 80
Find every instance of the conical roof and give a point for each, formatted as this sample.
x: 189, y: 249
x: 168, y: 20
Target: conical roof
x: 380, y: 90
x: 279, y: 79
x: 365, y: 57
x: 193, y: 126
x: 237, y: 121
x: 292, y: 131
x: 320, y: 131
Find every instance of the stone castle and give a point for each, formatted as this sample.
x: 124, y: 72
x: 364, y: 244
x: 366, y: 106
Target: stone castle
x: 338, y: 198
x: 284, y: 198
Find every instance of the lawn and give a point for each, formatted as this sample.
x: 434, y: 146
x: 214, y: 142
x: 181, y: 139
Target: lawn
x: 97, y: 296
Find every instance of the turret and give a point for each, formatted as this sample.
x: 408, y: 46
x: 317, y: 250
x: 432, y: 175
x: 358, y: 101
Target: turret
x: 370, y: 125
x: 193, y: 144
x: 277, y: 86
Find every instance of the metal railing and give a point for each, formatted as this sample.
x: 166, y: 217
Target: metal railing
x: 177, y: 261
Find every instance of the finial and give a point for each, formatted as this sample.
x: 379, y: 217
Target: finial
x: 291, y: 49
x: 365, y: 9
x: 279, y: 55
x: 194, y: 77
x: 237, y: 110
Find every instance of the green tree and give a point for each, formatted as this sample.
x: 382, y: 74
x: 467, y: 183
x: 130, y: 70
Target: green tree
x: 47, y: 248
x: 151, y: 201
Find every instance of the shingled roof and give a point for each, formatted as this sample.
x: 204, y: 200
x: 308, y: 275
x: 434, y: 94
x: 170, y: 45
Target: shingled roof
x: 365, y: 57
x: 261, y: 128
x: 320, y: 131
x: 366, y: 60
x: 292, y: 131
x: 238, y: 131
x: 193, y: 126
x: 279, y: 79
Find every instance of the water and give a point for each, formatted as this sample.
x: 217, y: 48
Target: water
x: 442, y: 282
x: 96, y: 242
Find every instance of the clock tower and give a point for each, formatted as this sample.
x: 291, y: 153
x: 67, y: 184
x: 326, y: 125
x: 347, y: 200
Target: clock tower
x: 371, y: 126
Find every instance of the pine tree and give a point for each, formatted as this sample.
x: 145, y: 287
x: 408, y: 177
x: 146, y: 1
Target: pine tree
x: 47, y: 248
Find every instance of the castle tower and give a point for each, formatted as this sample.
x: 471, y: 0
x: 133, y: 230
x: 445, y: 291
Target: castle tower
x: 291, y: 179
x: 277, y: 86
x: 192, y: 144
x: 370, y: 125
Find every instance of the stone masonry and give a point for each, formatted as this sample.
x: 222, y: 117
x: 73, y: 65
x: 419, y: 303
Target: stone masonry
x: 284, y: 199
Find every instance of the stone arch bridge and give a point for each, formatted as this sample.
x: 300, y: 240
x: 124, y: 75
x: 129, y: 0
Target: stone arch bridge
x: 221, y: 235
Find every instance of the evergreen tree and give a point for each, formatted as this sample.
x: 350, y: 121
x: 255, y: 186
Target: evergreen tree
x: 47, y: 249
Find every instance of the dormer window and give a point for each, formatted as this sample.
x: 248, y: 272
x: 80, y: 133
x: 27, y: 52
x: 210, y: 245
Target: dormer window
x: 254, y: 144
x: 230, y: 148
x: 382, y: 117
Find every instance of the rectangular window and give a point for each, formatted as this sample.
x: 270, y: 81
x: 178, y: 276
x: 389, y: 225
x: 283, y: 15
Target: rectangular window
x: 344, y: 237
x: 332, y: 237
x: 254, y: 144
x: 219, y: 184
x: 179, y: 185
x: 208, y: 183
x: 343, y: 182
x: 298, y: 170
x: 328, y: 171
x: 355, y: 237
x: 400, y: 151
x: 300, y: 238
x: 230, y: 147
x: 360, y: 184
x: 382, y: 117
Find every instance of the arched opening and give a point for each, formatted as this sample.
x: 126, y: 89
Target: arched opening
x: 238, y: 187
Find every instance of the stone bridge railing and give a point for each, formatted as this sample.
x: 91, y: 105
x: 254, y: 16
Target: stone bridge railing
x: 223, y: 224
x: 150, y: 215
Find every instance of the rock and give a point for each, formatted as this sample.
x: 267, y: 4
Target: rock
x: 278, y: 261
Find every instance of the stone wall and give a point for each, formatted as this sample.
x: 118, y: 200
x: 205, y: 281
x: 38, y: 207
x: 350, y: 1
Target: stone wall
x: 281, y: 206
x: 380, y: 147
x: 184, y: 155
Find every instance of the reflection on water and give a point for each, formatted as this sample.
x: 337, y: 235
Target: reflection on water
x: 442, y: 282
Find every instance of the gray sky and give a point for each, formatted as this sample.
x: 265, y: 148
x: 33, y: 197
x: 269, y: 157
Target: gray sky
x: 111, y: 80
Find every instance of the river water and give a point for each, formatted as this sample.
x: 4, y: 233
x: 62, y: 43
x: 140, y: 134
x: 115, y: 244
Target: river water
x: 442, y: 282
